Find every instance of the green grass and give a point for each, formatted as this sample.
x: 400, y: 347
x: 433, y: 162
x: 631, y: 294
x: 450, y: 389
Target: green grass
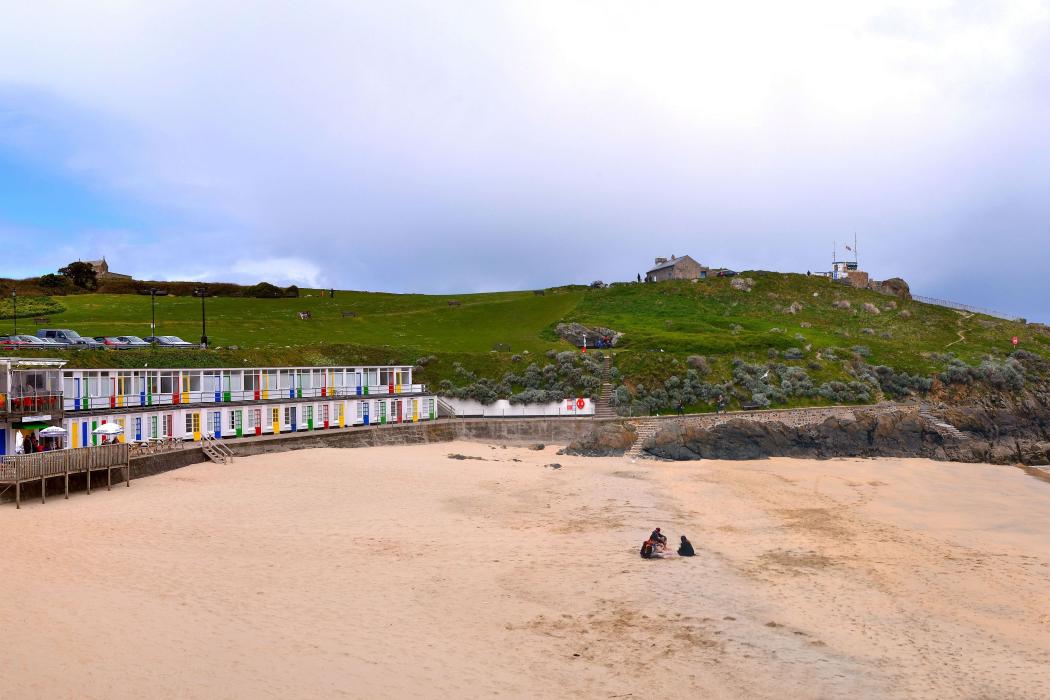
x: 663, y: 324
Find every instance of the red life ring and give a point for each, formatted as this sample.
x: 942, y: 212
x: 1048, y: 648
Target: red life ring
x: 580, y: 403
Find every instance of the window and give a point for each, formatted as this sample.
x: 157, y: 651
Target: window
x: 324, y: 413
x: 289, y: 413
x: 193, y: 423
x: 167, y: 382
x: 251, y: 381
x: 309, y: 413
x: 233, y: 419
x: 169, y: 425
x: 153, y: 427
x: 191, y: 381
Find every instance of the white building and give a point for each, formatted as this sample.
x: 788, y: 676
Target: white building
x: 189, y: 403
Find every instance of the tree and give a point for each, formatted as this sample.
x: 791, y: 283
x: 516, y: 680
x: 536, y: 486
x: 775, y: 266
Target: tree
x: 52, y: 281
x: 81, y: 274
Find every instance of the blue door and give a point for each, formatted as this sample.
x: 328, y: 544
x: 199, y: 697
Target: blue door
x: 83, y: 434
x: 138, y: 429
x: 293, y: 412
x: 76, y: 390
x: 3, y: 441
x: 366, y: 412
x: 216, y: 423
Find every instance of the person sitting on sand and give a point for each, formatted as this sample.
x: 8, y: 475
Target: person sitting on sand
x: 686, y: 548
x: 658, y: 539
x: 647, y: 549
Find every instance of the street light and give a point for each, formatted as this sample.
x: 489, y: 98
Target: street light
x: 153, y: 311
x: 203, y: 292
x: 14, y: 305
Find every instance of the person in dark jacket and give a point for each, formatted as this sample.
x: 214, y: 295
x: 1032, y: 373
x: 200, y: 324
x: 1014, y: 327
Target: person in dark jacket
x: 647, y: 549
x: 685, y: 549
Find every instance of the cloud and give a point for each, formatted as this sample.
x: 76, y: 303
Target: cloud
x: 411, y: 146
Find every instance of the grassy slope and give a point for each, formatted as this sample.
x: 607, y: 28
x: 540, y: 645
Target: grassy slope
x: 680, y: 318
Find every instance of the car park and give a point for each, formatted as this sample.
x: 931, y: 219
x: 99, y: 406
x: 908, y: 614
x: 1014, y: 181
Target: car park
x: 168, y: 341
x: 69, y: 338
x: 16, y: 341
x: 111, y: 341
x: 133, y: 341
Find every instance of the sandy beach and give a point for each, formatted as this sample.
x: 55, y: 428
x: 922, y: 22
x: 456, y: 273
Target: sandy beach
x: 401, y: 573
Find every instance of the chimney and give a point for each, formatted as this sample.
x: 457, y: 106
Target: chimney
x: 661, y: 261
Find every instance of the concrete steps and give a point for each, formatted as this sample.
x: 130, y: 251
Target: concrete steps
x: 645, y: 429
x: 216, y: 450
x: 603, y: 408
x: 943, y: 429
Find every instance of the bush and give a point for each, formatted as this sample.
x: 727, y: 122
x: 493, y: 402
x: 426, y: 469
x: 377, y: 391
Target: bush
x: 265, y: 290
x: 793, y: 354
x: 699, y: 363
x: 900, y: 385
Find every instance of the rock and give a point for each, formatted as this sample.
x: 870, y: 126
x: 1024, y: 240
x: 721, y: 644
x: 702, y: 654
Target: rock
x: 742, y: 284
x: 607, y: 440
x: 871, y: 308
x: 867, y: 331
x: 894, y: 286
x: 905, y: 314
x: 842, y: 304
x: 537, y: 446
x: 553, y: 466
x: 794, y: 308
x: 805, y: 324
x: 890, y: 306
x: 456, y: 455
x: 576, y: 332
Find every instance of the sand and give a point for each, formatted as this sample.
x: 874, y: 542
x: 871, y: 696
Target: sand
x: 400, y: 573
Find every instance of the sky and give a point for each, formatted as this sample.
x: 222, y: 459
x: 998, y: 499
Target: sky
x: 473, y: 146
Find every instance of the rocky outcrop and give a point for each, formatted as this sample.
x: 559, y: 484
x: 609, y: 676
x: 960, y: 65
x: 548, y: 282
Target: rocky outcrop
x: 896, y: 434
x: 577, y: 333
x: 894, y: 286
x: 607, y: 440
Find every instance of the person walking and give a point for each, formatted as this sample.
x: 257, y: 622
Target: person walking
x: 680, y: 409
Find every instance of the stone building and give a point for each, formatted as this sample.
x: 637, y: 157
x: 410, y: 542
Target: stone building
x: 683, y: 268
x: 102, y: 270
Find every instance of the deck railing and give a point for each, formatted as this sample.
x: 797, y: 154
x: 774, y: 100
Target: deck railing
x: 144, y: 398
x: 30, y: 404
x: 19, y: 468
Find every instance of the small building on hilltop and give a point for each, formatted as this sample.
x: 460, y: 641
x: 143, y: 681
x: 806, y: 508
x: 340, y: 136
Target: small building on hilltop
x: 683, y: 268
x: 102, y: 271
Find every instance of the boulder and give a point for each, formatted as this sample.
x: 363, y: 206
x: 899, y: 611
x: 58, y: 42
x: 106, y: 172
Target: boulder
x: 842, y: 304
x: 871, y: 308
x: 794, y: 308
x: 742, y: 284
x: 575, y: 333
x: 894, y: 286
x: 606, y: 440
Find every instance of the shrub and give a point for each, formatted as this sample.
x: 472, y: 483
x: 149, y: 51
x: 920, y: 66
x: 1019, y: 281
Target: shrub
x: 699, y: 363
x: 793, y: 354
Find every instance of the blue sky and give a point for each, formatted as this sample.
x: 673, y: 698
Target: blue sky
x: 458, y: 146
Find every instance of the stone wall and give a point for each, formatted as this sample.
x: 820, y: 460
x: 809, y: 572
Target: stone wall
x: 794, y: 417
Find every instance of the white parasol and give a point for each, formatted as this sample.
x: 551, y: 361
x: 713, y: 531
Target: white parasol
x: 52, y: 431
x: 108, y: 429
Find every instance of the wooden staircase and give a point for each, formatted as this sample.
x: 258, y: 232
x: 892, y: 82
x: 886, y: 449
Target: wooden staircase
x: 945, y: 430
x: 216, y: 450
x: 645, y: 429
x: 604, y: 408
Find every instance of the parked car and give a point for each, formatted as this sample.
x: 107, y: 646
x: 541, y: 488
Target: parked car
x: 15, y: 341
x: 69, y: 338
x: 727, y: 273
x: 133, y: 341
x: 111, y: 341
x: 168, y: 341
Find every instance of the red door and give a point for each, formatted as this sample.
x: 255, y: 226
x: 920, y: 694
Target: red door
x: 399, y: 417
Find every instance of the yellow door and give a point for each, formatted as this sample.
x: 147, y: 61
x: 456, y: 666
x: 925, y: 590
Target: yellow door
x: 196, y: 426
x: 276, y: 421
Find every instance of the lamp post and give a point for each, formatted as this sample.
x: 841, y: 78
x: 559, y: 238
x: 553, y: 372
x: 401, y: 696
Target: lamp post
x: 153, y: 315
x: 14, y: 306
x: 203, y: 292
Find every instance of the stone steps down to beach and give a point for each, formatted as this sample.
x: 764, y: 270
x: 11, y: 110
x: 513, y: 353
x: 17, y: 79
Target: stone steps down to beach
x: 604, y: 408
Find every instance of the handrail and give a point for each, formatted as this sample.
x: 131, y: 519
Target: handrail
x: 58, y: 462
x: 196, y: 397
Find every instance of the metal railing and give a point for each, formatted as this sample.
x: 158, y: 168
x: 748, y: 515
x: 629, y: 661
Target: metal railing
x: 143, y: 398
x: 965, y: 307
x: 30, y: 404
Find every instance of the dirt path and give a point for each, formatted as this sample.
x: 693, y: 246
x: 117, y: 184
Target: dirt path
x: 961, y: 332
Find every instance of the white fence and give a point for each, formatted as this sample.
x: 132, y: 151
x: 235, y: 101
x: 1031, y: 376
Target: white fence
x: 466, y: 408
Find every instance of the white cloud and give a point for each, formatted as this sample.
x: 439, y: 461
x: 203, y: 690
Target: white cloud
x: 468, y: 145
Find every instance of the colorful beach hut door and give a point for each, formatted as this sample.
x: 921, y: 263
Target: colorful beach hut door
x: 400, y: 410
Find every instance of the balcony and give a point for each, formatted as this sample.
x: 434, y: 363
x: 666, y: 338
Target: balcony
x: 29, y: 405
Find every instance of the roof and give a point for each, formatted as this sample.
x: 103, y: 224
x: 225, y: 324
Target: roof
x: 25, y: 362
x: 671, y: 263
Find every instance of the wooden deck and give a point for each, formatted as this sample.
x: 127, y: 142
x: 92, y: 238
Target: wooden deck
x: 16, y: 470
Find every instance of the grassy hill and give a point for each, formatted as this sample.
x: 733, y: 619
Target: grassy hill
x: 682, y: 341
